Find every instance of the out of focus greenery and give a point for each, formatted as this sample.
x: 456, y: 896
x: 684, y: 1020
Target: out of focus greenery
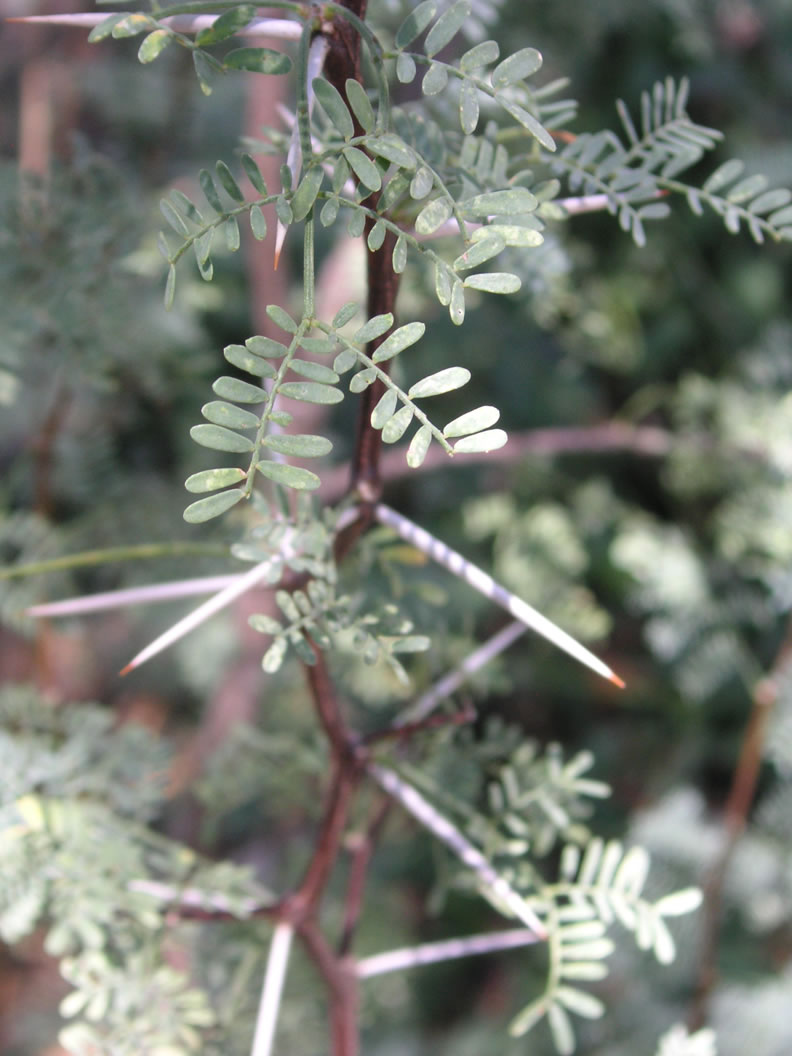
x: 675, y: 562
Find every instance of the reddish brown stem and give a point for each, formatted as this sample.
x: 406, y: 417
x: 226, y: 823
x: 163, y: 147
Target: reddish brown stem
x: 362, y: 852
x: 342, y: 785
x: 341, y: 980
x: 735, y: 817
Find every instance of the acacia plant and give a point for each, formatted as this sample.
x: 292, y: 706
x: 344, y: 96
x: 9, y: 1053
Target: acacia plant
x: 441, y: 160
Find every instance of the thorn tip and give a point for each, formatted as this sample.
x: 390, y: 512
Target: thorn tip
x: 618, y: 681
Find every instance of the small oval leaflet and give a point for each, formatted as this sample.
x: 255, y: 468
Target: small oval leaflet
x: 446, y: 27
x: 494, y: 282
x: 405, y: 68
x: 212, y: 506
x: 512, y: 235
x: 723, y: 175
x: 364, y: 168
x: 258, y: 60
x: 415, y: 23
x: 490, y: 440
x: 435, y: 80
x: 344, y: 314
x: 384, y: 409
x: 529, y: 122
x: 482, y: 250
x: 521, y: 64
x: 357, y: 223
x: 273, y: 658
x: 219, y: 439
x: 747, y: 188
x: 561, y: 1029
x: 377, y: 236
x: 392, y: 149
x: 432, y: 216
x: 399, y: 259
x: 231, y: 232
x: 221, y: 413
x: 154, y: 44
x: 306, y: 368
x: 472, y: 422
x: 264, y: 624
x: 281, y: 318
x: 456, y: 307
x: 771, y: 200
x: 395, y: 428
x: 289, y: 476
x: 209, y: 190
x: 311, y: 392
x: 330, y: 100
x: 361, y: 106
x: 230, y: 186
x: 376, y: 326
x: 131, y: 25
x: 419, y: 445
x: 399, y: 340
x: 442, y: 283
x: 212, y: 479
x: 362, y: 379
x: 105, y: 28
x: 226, y: 25
x: 307, y: 191
x: 238, y: 356
x: 175, y: 219
x: 443, y: 381
x: 468, y: 108
x: 421, y: 183
x: 345, y: 360
x: 265, y: 347
x: 239, y: 391
x: 299, y: 445
x: 283, y: 210
x: 253, y: 173
x: 480, y: 55
x: 258, y: 223
x: 329, y: 212
x: 512, y: 202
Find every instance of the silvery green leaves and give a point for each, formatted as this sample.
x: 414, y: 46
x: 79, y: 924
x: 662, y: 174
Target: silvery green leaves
x: 328, y: 620
x: 598, y: 886
x: 198, y: 228
x: 745, y: 199
x: 665, y: 142
x: 503, y: 84
x: 207, y: 66
x: 396, y: 410
x: 281, y: 374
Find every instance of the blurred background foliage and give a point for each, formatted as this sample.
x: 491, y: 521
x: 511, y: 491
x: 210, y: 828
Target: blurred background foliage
x: 669, y: 548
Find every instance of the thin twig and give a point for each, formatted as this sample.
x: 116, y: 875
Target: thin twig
x: 272, y: 990
x: 447, y: 950
x: 487, y: 586
x: 356, y: 883
x: 421, y: 809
